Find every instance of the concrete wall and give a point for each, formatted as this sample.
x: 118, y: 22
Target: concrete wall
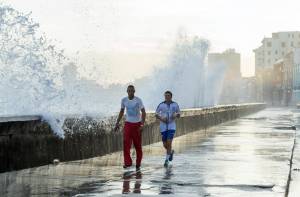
x: 27, y: 141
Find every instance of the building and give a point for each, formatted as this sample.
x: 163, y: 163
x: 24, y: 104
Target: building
x: 248, y: 90
x: 271, y: 50
x: 288, y: 62
x: 296, y: 76
x: 228, y: 63
x: 275, y: 48
x: 277, y: 83
x: 265, y: 80
x: 284, y: 75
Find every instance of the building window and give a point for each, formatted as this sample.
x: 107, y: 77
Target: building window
x: 269, y: 44
x: 283, y: 44
x: 269, y: 52
x: 292, y: 35
x: 292, y: 44
x: 276, y: 52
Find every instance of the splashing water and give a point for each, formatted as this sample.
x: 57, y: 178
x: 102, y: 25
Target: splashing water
x: 28, y: 73
x: 184, y: 74
x: 36, y: 78
x: 192, y: 82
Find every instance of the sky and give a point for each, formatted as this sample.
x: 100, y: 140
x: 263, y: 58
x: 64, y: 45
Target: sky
x: 126, y: 35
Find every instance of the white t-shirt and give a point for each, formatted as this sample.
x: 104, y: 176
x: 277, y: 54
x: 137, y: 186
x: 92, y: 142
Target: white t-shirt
x: 166, y: 111
x: 133, y: 109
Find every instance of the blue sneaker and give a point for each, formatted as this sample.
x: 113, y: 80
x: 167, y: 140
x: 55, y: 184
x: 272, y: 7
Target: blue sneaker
x: 171, y: 155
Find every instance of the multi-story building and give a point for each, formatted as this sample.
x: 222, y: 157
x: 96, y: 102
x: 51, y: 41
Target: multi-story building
x: 272, y: 50
x: 277, y: 83
x: 265, y: 78
x: 288, y: 63
x: 227, y: 62
x: 296, y: 76
x: 275, y: 48
x: 248, y: 90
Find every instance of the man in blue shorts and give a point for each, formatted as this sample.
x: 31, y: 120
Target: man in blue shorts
x: 167, y: 112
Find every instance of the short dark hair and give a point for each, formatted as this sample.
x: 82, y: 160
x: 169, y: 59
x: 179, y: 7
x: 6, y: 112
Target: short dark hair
x: 130, y: 86
x: 169, y: 92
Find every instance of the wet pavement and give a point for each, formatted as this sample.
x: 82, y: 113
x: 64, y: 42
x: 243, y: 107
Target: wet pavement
x: 246, y: 157
x: 294, y: 189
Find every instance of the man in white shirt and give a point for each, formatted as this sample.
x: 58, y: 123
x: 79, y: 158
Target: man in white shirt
x: 133, y: 126
x: 167, y: 112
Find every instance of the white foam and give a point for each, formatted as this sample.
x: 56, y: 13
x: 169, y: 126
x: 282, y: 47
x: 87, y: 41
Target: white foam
x: 37, y: 79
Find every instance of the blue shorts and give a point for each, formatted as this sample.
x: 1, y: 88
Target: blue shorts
x: 167, y: 135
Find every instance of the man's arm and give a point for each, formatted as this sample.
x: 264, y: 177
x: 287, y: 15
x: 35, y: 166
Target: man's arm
x: 121, y: 113
x: 157, y: 112
x: 141, y: 106
x: 161, y: 118
x: 158, y: 116
x: 177, y: 113
x: 143, y: 115
x: 143, y: 118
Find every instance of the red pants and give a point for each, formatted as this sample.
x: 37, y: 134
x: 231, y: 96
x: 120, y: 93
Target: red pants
x: 132, y: 133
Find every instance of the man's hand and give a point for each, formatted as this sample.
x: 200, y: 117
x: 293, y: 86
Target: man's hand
x: 117, y: 127
x: 165, y: 119
x: 175, y: 115
x: 121, y: 113
x: 141, y: 127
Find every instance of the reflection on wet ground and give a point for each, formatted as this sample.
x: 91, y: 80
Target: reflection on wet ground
x: 294, y: 189
x: 246, y: 157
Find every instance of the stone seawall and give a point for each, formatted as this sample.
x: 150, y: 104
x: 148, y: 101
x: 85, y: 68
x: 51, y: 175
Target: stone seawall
x: 28, y: 141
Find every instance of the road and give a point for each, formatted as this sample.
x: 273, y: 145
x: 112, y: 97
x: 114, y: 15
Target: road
x: 246, y: 157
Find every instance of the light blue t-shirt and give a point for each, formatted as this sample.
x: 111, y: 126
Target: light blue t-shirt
x: 167, y: 110
x: 133, y: 109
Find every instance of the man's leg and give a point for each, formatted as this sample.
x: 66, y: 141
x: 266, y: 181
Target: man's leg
x: 169, y: 146
x: 137, y: 141
x: 168, y: 149
x: 165, y: 144
x: 127, y: 141
x: 171, y: 134
x: 164, y: 137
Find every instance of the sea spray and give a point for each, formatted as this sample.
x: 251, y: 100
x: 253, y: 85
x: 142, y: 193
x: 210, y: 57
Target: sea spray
x: 28, y: 65
x: 214, y: 77
x: 37, y: 78
x: 184, y: 74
